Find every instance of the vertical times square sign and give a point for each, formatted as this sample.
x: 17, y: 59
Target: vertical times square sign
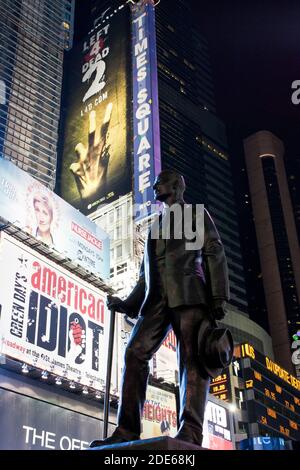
x: 147, y: 162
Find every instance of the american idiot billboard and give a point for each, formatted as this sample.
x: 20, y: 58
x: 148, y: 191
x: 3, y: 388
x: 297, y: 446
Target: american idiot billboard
x: 96, y: 160
x: 49, y: 318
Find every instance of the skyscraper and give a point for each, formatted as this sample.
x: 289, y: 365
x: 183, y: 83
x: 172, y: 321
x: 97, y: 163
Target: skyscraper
x: 193, y: 138
x: 33, y: 36
x: 277, y: 239
x: 293, y: 173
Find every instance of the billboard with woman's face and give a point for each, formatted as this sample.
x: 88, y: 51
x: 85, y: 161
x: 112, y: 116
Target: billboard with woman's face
x: 35, y: 209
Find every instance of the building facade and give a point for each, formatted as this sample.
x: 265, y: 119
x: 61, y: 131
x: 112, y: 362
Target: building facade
x: 270, y: 396
x: 33, y: 37
x: 277, y: 242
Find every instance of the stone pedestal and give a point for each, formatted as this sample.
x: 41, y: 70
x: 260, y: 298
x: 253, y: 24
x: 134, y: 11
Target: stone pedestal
x: 156, y: 443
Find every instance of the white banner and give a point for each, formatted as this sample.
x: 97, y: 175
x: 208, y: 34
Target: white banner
x: 165, y: 360
x: 50, y: 318
x: 162, y: 366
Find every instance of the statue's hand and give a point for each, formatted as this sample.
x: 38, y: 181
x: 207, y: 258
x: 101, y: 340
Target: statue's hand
x: 116, y: 303
x: 218, y: 309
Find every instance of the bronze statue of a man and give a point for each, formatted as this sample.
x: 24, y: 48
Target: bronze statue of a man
x: 178, y: 288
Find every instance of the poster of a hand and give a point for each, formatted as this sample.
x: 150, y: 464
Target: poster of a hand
x: 97, y: 149
x: 90, y: 169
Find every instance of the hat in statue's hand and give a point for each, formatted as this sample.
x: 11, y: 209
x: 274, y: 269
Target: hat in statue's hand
x: 215, y: 348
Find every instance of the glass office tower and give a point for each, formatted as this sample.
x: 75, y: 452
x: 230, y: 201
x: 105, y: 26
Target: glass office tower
x: 33, y: 36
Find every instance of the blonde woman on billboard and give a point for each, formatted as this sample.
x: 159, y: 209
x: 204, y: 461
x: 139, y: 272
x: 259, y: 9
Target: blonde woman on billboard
x: 44, y: 217
x: 90, y: 170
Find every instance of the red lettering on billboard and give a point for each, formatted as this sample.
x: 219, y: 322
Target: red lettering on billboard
x: 46, y: 281
x: 87, y: 236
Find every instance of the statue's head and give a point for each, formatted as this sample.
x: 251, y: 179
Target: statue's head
x: 169, y: 185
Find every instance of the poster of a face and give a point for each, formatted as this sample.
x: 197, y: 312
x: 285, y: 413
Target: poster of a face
x: 42, y: 213
x: 34, y: 209
x: 96, y: 158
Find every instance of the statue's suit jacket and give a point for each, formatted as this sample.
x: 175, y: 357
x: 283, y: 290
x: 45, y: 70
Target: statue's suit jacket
x: 191, y: 277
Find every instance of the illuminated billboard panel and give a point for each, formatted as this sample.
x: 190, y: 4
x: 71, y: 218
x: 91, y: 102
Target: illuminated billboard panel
x: 32, y: 207
x: 97, y: 151
x: 51, y: 319
x: 217, y: 433
x: 220, y: 386
x: 159, y: 415
x: 32, y: 424
x: 147, y: 159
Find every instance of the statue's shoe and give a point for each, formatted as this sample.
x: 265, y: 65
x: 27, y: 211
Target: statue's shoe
x: 190, y: 437
x: 111, y: 440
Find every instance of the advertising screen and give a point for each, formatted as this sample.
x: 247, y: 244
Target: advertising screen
x: 35, y: 209
x: 220, y: 386
x: 160, y: 416
x: 216, y: 430
x: 274, y: 421
x: 147, y: 159
x: 263, y: 443
x: 271, y: 390
x: 32, y: 424
x: 97, y: 150
x: 50, y: 318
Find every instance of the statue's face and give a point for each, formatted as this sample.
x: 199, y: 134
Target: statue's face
x: 163, y: 187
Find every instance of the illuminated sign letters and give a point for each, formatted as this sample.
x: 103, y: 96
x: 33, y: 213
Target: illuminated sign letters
x: 145, y: 107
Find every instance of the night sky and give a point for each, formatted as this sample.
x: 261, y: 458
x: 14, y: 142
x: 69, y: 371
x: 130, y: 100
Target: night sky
x: 255, y: 52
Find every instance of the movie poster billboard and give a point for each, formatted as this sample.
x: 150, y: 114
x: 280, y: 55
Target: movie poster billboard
x: 147, y: 159
x: 35, y: 209
x: 51, y: 319
x: 97, y: 150
x: 159, y: 415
